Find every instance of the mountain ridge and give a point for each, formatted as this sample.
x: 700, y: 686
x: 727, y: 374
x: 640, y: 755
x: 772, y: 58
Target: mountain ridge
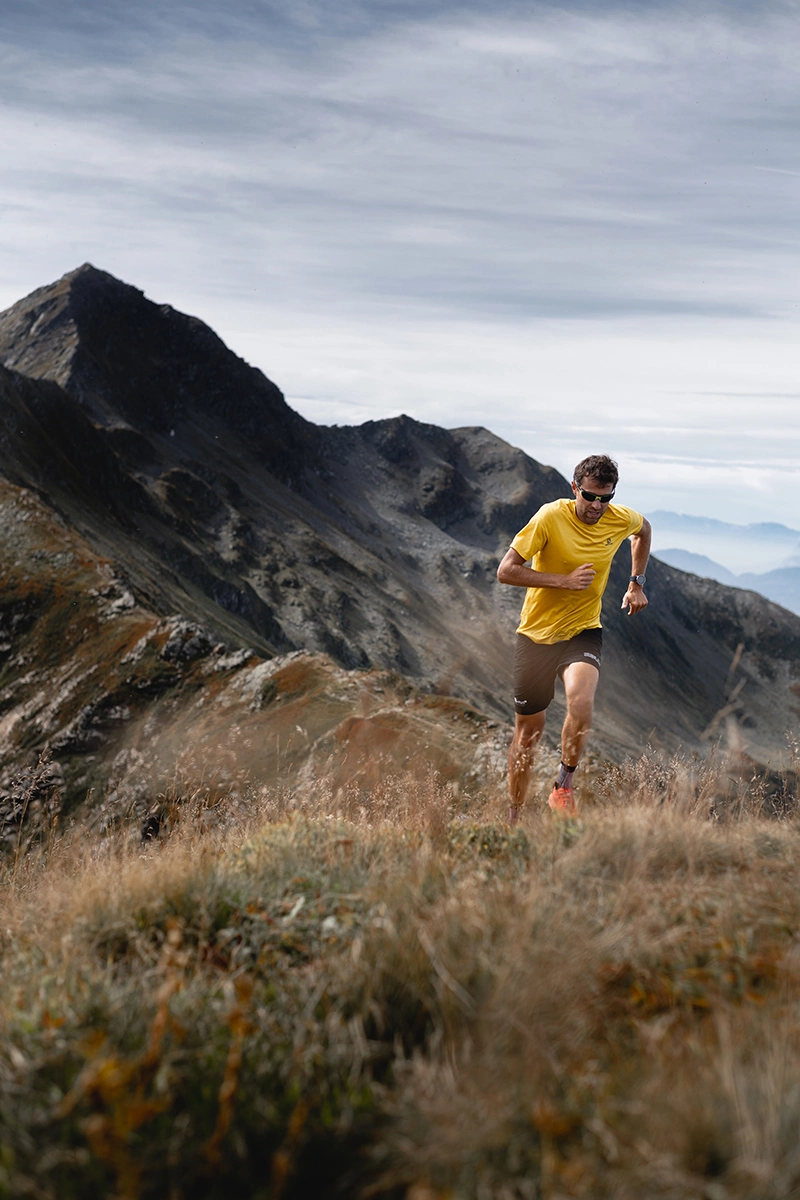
x: 69, y: 332
x: 782, y: 584
x: 375, y: 544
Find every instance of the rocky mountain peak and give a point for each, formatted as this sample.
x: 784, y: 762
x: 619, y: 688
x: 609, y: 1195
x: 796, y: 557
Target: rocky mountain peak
x: 131, y: 362
x: 40, y: 333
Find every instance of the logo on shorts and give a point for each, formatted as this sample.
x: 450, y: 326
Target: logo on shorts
x: 587, y: 654
x: 518, y: 701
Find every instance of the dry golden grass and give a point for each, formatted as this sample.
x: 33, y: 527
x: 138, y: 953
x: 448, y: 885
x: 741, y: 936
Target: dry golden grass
x: 380, y: 996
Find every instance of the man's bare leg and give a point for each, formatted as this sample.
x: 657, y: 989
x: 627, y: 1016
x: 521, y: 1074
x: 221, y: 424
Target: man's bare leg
x: 580, y: 685
x: 527, y: 732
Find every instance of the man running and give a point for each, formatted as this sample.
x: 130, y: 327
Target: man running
x: 571, y: 544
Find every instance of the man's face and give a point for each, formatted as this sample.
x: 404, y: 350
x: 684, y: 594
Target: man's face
x: 590, y: 511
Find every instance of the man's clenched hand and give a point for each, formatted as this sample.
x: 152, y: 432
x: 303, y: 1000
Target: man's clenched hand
x: 634, y: 599
x: 580, y: 579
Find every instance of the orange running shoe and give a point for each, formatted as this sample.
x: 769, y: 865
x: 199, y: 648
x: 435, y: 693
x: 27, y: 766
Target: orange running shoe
x: 562, y: 800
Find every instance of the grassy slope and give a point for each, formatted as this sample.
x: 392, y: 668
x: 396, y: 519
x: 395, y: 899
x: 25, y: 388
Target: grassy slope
x: 405, y: 1005
x: 126, y: 701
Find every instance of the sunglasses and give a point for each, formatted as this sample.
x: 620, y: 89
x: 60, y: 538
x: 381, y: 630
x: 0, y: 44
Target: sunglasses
x: 592, y: 496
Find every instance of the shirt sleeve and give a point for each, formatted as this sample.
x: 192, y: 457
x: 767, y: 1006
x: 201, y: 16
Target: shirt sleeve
x: 635, y: 522
x: 531, y: 539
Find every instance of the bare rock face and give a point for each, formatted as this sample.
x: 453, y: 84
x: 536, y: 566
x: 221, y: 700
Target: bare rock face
x: 133, y: 363
x: 184, y: 470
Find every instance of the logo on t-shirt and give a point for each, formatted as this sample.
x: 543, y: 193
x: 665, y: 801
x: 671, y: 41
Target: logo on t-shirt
x: 609, y: 541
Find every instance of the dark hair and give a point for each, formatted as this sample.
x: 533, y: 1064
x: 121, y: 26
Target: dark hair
x: 596, y: 466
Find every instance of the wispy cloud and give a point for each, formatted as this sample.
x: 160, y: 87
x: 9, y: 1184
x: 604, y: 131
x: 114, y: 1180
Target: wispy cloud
x: 564, y: 213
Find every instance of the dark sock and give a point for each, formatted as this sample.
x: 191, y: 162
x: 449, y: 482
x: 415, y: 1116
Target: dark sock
x: 564, y: 778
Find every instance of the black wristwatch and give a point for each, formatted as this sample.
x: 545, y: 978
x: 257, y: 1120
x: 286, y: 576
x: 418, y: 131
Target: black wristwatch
x: 638, y: 579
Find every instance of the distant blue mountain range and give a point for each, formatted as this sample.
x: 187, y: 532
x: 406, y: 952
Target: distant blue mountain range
x: 740, y: 549
x: 781, y: 584
x: 684, y: 523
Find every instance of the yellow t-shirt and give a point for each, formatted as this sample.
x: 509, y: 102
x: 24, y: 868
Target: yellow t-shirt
x: 558, y: 542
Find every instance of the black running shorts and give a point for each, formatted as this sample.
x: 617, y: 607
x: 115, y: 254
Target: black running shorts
x: 536, y: 667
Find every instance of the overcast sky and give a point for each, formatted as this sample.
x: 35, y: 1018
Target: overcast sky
x: 576, y: 225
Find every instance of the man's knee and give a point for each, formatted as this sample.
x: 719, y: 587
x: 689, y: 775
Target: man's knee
x: 580, y: 685
x: 528, y: 730
x: 579, y: 712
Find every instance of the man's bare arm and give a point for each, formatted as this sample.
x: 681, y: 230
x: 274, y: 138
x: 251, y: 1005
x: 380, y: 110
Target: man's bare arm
x: 512, y: 570
x: 634, y: 599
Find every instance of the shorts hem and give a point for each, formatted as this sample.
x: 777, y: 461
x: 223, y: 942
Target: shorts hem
x: 537, y: 665
x: 523, y: 712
